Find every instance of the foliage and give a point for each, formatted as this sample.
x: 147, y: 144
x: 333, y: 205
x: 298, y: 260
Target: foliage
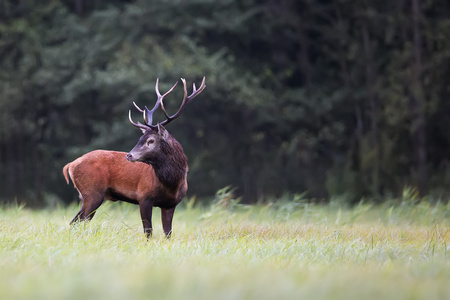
x: 251, y: 252
x: 339, y: 99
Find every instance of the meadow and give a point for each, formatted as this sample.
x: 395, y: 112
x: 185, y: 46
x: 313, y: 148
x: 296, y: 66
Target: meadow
x: 281, y: 250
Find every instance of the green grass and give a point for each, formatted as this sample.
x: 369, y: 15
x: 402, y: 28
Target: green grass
x: 289, y: 250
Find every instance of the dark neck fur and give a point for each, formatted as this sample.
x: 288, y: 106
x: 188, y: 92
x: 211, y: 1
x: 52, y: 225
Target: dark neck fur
x: 171, y: 165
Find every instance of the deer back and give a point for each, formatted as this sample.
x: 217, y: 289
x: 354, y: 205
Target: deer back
x: 109, y: 171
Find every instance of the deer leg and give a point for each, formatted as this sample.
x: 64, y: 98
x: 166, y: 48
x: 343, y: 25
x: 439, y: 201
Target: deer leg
x: 166, y: 218
x: 77, y: 217
x: 146, y: 208
x: 89, y: 206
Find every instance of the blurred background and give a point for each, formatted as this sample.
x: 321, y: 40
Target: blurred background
x: 334, y: 98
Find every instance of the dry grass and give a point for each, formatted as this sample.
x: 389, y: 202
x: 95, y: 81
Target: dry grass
x: 261, y: 252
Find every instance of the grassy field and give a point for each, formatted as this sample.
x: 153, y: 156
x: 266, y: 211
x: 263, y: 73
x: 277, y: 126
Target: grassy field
x: 289, y: 250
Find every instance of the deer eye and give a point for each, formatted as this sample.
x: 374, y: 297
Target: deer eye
x: 150, y: 141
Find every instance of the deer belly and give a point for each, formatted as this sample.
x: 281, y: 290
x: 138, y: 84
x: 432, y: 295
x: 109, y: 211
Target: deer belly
x: 113, y: 195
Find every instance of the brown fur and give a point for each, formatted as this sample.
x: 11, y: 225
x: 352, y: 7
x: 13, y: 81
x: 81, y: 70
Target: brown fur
x: 152, y: 174
x: 102, y: 174
x: 66, y: 172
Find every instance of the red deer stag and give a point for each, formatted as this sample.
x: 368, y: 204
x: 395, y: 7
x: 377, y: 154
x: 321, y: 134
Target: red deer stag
x: 152, y: 174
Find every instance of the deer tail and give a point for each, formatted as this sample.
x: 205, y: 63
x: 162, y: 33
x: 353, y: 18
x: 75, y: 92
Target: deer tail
x: 66, y: 172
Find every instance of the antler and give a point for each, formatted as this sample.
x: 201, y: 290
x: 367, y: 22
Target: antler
x: 148, y: 114
x: 186, y: 100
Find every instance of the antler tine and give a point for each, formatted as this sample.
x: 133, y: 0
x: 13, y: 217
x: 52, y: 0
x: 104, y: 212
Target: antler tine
x: 148, y: 114
x: 138, y: 108
x: 195, y: 91
x: 186, y: 100
x: 138, y: 125
x: 142, y: 111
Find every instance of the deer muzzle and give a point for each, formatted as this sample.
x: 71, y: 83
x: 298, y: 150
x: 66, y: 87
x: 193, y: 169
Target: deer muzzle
x: 130, y: 157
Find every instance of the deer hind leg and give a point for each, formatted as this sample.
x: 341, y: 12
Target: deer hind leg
x: 90, y: 202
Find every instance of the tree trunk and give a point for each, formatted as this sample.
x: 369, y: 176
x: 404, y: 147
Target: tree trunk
x: 373, y: 109
x: 78, y: 7
x: 418, y: 103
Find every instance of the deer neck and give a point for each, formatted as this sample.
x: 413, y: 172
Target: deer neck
x: 171, y: 166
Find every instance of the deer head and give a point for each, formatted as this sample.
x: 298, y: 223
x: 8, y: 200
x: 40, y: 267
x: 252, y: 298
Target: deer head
x: 156, y: 140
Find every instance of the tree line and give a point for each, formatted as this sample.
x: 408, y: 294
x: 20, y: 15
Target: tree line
x: 333, y: 98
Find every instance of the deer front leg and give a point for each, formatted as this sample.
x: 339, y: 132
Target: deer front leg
x: 166, y: 218
x: 146, y: 208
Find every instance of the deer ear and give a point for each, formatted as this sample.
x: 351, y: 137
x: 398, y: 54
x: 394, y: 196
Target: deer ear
x: 163, y: 132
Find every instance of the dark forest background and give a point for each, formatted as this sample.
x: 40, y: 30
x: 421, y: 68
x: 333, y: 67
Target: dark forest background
x: 332, y: 98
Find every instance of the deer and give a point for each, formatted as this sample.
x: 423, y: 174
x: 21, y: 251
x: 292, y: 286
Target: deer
x: 152, y: 174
